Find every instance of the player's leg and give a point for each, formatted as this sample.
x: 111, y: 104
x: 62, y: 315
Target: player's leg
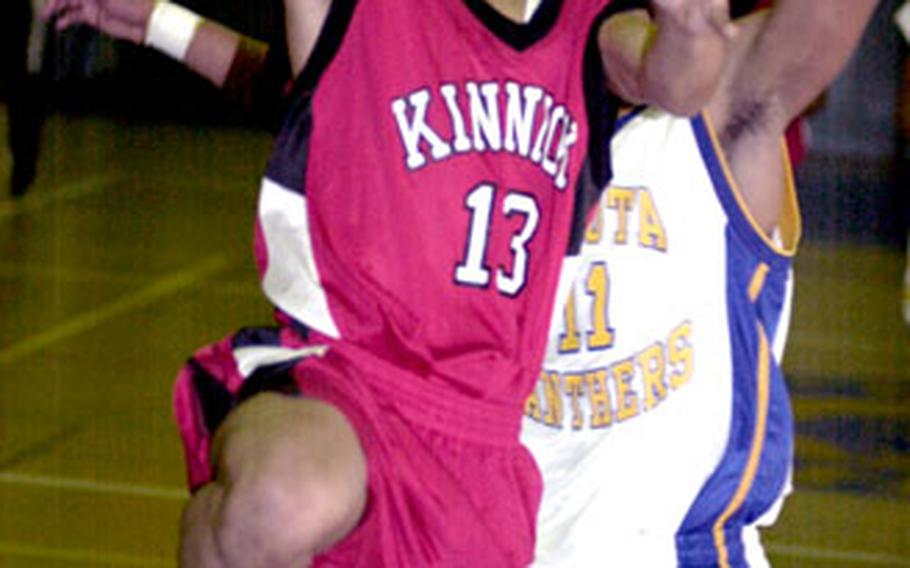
x: 290, y: 481
x: 197, y: 541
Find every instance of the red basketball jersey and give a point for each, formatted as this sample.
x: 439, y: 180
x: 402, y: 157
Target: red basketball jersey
x: 426, y: 184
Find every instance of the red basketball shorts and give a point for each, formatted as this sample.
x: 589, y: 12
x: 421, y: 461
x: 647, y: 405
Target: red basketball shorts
x: 448, y: 482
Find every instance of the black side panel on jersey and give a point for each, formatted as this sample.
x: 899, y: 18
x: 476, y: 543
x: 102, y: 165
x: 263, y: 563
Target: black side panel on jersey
x: 602, y: 107
x: 287, y: 164
x: 519, y: 36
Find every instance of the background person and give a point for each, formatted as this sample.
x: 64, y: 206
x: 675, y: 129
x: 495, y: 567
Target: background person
x: 20, y: 64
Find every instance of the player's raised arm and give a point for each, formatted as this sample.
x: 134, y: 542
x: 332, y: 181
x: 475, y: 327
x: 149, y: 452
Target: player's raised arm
x: 782, y: 60
x: 802, y: 46
x: 206, y: 47
x: 671, y: 57
x: 250, y: 70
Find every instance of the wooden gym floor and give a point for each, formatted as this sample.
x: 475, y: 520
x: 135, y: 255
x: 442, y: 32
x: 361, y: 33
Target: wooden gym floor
x: 133, y: 249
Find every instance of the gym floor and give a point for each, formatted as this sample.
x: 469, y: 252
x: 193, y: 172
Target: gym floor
x: 133, y: 249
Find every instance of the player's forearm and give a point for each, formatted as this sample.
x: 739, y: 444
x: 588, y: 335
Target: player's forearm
x: 655, y: 61
x: 204, y: 46
x: 804, y: 46
x: 212, y: 52
x: 243, y: 67
x: 681, y: 69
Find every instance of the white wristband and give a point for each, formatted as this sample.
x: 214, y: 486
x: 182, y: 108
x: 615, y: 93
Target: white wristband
x: 171, y: 28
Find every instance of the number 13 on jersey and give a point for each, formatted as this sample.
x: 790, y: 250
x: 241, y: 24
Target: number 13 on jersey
x: 474, y: 269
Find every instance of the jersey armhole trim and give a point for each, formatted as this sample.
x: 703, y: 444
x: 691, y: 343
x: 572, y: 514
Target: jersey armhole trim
x: 789, y: 227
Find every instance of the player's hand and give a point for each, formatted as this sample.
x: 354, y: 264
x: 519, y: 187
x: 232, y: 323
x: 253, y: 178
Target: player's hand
x: 696, y: 17
x: 122, y: 19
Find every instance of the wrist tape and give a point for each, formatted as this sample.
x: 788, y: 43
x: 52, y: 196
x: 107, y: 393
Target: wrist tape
x: 171, y: 28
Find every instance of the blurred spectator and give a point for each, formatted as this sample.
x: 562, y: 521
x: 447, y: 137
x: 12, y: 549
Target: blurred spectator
x: 24, y: 98
x: 902, y: 19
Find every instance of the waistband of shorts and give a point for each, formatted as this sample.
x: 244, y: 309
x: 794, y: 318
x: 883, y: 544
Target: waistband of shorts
x: 430, y: 404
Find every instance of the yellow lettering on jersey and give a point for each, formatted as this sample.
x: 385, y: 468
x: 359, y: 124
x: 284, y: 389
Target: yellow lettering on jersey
x: 651, y: 233
x: 595, y: 229
x: 620, y: 199
x: 573, y: 386
x: 679, y: 348
x: 626, y: 397
x: 653, y: 367
x: 601, y: 336
x: 599, y: 397
x: 553, y: 398
x: 532, y: 404
x: 570, y: 341
x: 641, y: 383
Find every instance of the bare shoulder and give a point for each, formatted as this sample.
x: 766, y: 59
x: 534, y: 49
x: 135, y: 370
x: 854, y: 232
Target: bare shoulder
x: 304, y: 20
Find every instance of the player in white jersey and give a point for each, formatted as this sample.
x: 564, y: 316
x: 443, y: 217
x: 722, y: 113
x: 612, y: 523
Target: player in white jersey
x: 661, y: 421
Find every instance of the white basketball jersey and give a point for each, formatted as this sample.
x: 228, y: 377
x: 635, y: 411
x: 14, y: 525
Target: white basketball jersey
x: 661, y: 421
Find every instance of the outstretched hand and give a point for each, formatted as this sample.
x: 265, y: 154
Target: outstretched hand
x: 697, y: 17
x: 122, y: 19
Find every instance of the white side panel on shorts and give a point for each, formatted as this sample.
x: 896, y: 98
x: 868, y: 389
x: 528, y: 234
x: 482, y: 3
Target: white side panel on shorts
x: 251, y: 358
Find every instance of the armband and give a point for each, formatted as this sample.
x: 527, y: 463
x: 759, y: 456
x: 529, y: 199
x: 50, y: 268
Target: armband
x: 171, y: 28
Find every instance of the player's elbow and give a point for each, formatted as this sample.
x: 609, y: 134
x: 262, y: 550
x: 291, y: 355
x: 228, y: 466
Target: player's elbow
x: 671, y: 95
x: 681, y: 100
x: 686, y: 85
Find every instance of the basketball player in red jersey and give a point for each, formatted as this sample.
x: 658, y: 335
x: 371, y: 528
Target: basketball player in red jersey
x: 434, y: 167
